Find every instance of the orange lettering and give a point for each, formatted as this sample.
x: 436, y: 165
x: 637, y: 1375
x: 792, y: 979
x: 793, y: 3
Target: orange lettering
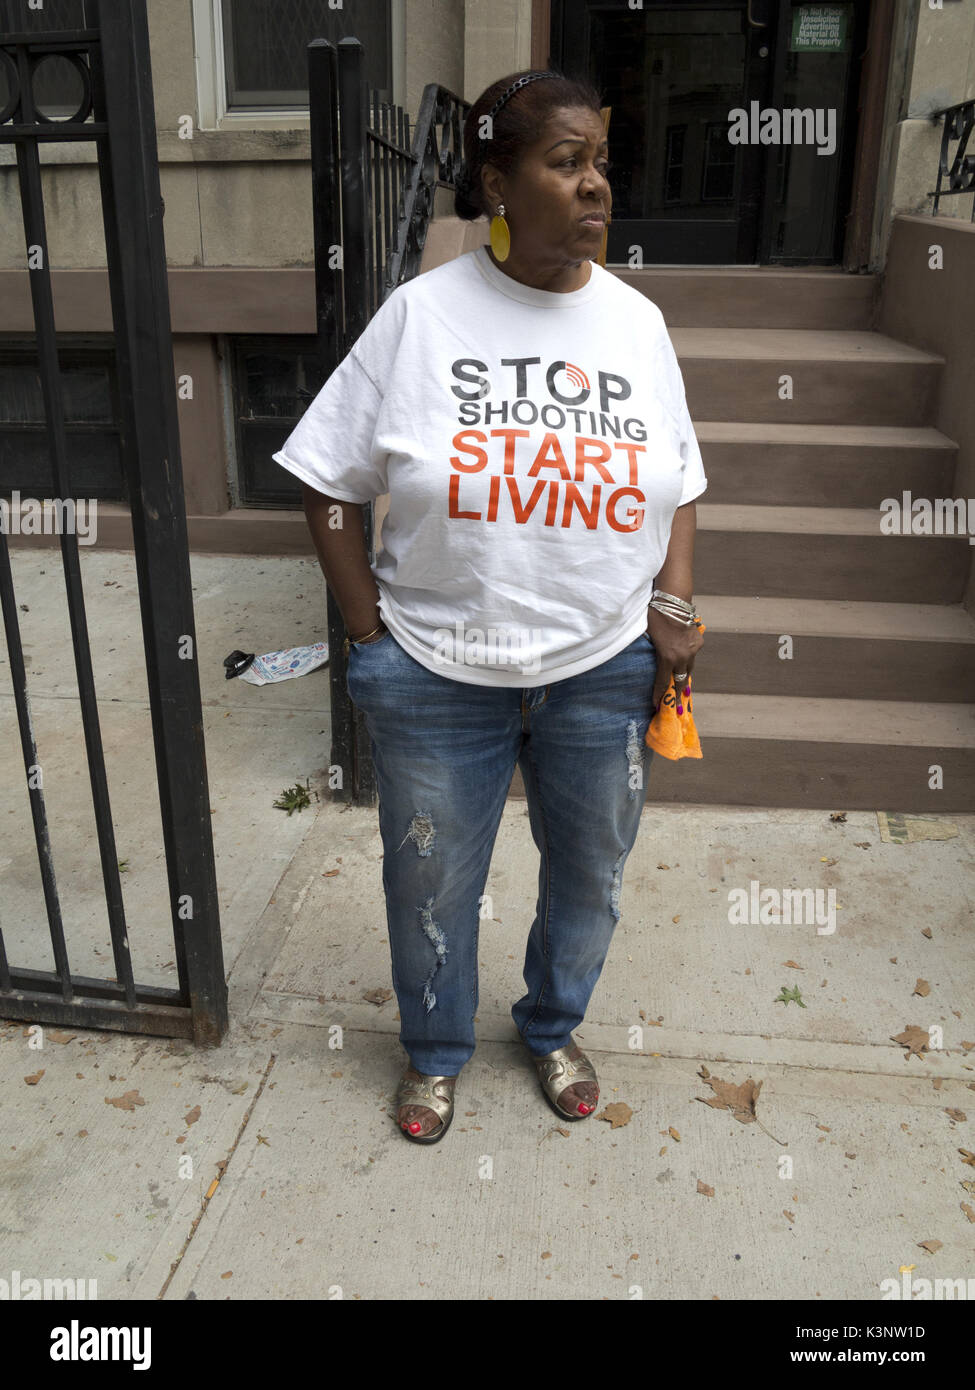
x: 582, y: 458
x: 633, y: 511
x: 631, y: 449
x: 480, y: 454
x: 590, y: 515
x: 453, y: 509
x: 556, y: 461
x: 523, y: 513
x: 509, y: 436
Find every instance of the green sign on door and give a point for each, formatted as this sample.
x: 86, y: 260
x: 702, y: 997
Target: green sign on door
x: 820, y: 29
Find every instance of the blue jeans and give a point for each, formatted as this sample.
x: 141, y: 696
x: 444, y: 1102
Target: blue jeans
x: 445, y: 753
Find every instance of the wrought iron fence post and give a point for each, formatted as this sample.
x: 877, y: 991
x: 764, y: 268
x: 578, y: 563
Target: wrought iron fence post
x: 365, y: 167
x: 330, y: 319
x: 133, y: 217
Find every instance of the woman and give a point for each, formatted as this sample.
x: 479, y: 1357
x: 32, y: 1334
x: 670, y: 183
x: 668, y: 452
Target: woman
x: 524, y: 410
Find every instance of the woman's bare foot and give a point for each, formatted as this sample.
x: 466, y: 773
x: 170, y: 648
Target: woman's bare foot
x: 409, y: 1115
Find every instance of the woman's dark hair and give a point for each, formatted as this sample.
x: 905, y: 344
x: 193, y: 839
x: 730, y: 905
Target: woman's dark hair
x: 516, y: 126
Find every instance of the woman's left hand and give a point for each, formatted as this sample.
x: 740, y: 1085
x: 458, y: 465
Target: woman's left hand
x: 676, y: 648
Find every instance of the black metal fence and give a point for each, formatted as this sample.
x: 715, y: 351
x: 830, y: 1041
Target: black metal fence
x: 373, y: 190
x: 959, y: 169
x: 116, y: 112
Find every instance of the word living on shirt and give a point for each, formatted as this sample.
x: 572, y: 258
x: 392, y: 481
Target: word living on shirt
x: 570, y: 497
x: 77, y: 1343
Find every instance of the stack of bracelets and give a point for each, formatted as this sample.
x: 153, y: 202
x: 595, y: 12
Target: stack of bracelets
x: 673, y: 607
x: 680, y: 610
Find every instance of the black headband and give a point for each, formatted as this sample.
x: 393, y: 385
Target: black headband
x: 531, y: 77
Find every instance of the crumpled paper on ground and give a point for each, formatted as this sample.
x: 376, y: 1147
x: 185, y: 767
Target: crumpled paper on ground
x: 286, y: 664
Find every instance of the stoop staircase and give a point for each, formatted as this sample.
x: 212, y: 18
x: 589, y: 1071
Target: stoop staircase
x: 881, y: 683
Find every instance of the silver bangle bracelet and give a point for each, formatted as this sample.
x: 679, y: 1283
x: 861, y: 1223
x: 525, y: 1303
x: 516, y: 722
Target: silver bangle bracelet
x: 686, y: 604
x: 677, y: 615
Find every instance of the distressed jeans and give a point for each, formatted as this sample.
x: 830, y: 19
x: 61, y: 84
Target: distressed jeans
x: 445, y: 753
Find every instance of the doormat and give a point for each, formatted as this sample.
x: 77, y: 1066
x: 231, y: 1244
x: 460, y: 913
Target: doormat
x: 899, y: 829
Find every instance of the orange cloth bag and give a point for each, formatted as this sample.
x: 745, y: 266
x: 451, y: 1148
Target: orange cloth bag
x: 671, y: 734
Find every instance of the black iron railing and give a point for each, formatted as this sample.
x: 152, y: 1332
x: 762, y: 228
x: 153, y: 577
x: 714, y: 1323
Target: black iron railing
x: 373, y: 191
x: 116, y: 112
x: 959, y: 169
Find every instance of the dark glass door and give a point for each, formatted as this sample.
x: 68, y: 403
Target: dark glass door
x: 687, y: 189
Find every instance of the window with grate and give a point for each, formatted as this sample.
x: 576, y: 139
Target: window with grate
x: 274, y: 381
x: 266, y: 47
x: 89, y: 396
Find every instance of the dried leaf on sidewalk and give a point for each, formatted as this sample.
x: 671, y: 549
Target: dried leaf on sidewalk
x: 930, y: 1245
x: 191, y: 1116
x: 740, y: 1100
x: 968, y: 1210
x: 617, y: 1112
x: 128, y: 1101
x: 377, y: 996
x: 922, y: 988
x: 55, y: 1035
x: 673, y: 1133
x: 958, y: 1115
x: 704, y: 1190
x: 926, y: 931
x: 793, y: 965
x: 33, y: 1080
x: 915, y: 1039
x: 967, y: 1157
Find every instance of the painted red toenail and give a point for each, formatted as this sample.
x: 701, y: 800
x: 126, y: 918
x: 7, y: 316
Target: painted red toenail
x: 583, y: 1108
x: 415, y: 1127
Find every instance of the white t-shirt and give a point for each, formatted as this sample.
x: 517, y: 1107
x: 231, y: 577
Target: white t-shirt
x: 534, y: 446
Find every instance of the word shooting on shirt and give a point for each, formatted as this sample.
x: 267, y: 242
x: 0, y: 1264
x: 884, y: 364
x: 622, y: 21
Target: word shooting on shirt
x: 580, y: 485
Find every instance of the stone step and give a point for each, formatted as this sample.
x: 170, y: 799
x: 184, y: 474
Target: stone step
x: 823, y: 553
x: 819, y: 465
x: 870, y: 651
x: 708, y: 296
x: 839, y: 755
x: 838, y: 378
x: 756, y: 296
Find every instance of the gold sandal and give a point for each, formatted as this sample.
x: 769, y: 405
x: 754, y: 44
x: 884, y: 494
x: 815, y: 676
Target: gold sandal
x: 435, y: 1093
x: 556, y: 1071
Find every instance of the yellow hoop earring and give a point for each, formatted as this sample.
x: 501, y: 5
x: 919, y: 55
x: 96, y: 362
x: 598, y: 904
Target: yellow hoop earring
x: 500, y: 235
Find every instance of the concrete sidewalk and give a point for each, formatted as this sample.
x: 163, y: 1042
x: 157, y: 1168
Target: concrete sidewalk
x: 224, y: 1173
